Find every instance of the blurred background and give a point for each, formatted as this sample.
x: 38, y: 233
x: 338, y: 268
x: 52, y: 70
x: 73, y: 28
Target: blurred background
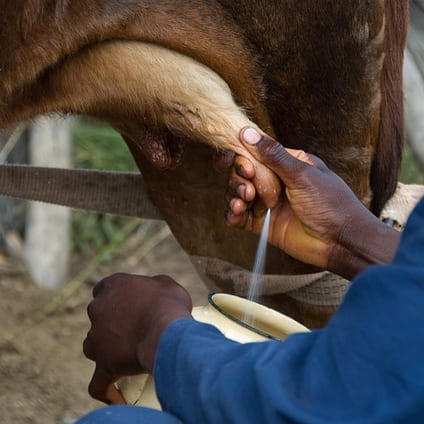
x: 50, y: 256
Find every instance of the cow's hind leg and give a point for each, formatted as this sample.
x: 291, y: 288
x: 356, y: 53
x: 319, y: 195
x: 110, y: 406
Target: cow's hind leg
x: 149, y: 87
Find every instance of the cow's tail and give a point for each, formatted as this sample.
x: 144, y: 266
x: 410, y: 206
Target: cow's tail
x: 388, y: 155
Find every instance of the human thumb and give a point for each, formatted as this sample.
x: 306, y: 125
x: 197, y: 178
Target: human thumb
x: 273, y: 155
x: 101, y: 387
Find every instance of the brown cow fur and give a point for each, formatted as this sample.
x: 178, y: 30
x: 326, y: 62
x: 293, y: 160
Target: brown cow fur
x: 319, y: 76
x: 50, y: 31
x: 323, y: 76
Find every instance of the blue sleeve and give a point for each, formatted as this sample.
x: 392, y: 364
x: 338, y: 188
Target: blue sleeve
x: 367, y: 365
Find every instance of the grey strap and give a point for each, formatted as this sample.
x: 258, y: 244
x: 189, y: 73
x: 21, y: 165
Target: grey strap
x: 327, y: 290
x: 120, y: 193
x: 124, y: 193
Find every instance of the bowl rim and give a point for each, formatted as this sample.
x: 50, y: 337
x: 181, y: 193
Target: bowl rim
x: 256, y: 330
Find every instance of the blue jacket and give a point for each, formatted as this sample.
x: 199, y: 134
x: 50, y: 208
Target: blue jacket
x: 365, y: 366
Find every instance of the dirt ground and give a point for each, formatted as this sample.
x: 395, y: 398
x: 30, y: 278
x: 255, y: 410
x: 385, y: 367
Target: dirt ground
x: 43, y: 373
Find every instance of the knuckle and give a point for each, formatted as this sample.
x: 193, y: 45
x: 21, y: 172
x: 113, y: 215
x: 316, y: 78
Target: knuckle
x: 91, y: 310
x: 106, y: 283
x: 116, y: 277
x: 94, y: 391
x: 319, y: 163
x: 165, y: 279
x: 87, y: 348
x: 274, y: 152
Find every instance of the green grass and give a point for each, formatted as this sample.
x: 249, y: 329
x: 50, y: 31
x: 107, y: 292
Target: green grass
x: 411, y: 173
x: 97, y: 146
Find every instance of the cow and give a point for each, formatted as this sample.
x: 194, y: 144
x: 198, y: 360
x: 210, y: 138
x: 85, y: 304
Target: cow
x: 179, y: 79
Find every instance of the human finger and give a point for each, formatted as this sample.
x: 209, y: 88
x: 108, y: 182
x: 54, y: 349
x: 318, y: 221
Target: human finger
x: 240, y: 187
x: 99, y: 287
x: 243, y: 221
x: 244, y: 167
x: 272, y: 154
x: 308, y: 158
x: 92, y: 310
x: 88, y: 349
x: 114, y: 396
x: 222, y: 159
x: 102, y: 388
x: 238, y: 206
x: 238, y: 199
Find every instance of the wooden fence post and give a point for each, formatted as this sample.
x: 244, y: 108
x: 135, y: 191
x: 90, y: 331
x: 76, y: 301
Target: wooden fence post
x: 12, y: 211
x: 47, y: 237
x: 414, y: 80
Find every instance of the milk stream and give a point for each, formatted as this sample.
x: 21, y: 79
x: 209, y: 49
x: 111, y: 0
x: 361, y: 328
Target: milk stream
x: 258, y: 269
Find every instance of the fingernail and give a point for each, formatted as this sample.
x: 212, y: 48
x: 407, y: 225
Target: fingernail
x: 242, y: 191
x: 251, y: 136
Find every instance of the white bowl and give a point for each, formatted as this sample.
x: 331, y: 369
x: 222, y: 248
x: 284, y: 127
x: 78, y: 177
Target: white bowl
x: 227, y: 313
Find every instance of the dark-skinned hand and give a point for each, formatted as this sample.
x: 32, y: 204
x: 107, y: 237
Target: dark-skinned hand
x: 128, y: 315
x: 317, y: 220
